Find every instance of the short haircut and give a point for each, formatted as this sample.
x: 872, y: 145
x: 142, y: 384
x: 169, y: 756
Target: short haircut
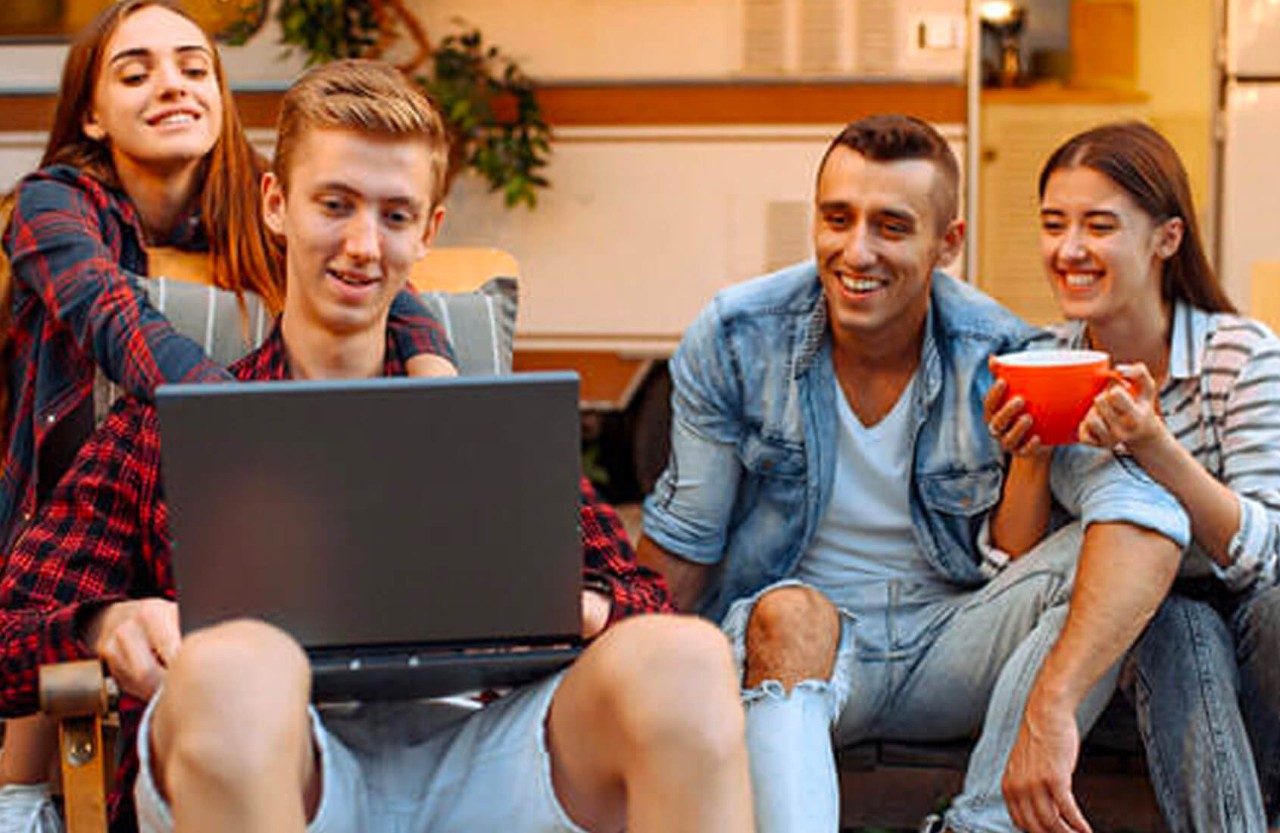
x: 892, y: 137
x: 366, y: 97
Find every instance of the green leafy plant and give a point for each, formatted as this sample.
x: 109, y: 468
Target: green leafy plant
x: 493, y: 112
x: 491, y: 106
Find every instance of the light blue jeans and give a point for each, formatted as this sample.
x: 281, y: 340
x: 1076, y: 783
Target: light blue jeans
x: 1206, y: 687
x: 908, y: 668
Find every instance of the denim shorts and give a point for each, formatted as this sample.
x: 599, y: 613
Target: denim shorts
x: 418, y: 766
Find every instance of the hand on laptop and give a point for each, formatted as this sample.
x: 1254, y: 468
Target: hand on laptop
x: 137, y: 639
x: 595, y: 612
x: 425, y: 364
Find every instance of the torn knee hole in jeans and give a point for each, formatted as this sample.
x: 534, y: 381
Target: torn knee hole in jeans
x: 775, y: 690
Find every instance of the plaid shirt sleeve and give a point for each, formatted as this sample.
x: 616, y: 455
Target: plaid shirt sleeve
x: 60, y: 245
x: 609, y: 563
x: 89, y: 546
x: 415, y: 330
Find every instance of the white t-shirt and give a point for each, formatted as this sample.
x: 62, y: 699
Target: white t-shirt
x: 864, y: 540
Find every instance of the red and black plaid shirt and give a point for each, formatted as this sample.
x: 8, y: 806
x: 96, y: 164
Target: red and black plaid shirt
x: 76, y: 248
x: 103, y: 537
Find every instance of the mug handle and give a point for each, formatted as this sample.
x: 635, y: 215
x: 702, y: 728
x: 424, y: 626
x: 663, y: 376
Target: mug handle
x: 1113, y: 375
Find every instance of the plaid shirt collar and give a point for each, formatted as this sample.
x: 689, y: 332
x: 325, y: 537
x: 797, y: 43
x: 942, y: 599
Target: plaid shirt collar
x: 270, y: 362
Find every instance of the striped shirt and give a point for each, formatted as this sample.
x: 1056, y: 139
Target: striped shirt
x: 1222, y: 403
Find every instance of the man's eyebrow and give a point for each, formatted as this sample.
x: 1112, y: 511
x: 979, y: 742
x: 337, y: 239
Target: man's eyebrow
x: 899, y: 214
x: 890, y: 212
x: 344, y: 188
x: 143, y: 52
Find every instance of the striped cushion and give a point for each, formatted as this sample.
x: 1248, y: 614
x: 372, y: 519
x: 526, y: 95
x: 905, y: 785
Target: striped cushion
x: 481, y: 324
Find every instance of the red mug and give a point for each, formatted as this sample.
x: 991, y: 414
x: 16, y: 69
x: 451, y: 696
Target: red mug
x: 1058, y: 387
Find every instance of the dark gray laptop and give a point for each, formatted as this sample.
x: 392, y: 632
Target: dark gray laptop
x: 417, y: 536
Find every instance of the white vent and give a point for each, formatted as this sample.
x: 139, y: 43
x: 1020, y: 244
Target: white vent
x: 897, y: 38
x: 786, y: 225
x: 820, y: 35
x: 878, y: 34
x: 764, y: 36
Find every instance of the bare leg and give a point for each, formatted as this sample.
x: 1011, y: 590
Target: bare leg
x: 28, y: 763
x: 791, y: 640
x: 792, y: 635
x: 30, y: 750
x: 646, y: 732
x: 230, y: 739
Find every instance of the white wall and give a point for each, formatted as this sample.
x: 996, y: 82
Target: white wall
x: 644, y: 225
x: 641, y: 227
x: 565, y: 40
x: 19, y: 153
x: 259, y: 64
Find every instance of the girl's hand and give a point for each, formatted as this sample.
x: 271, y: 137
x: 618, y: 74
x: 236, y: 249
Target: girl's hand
x: 1009, y: 423
x: 1125, y: 413
x: 425, y: 364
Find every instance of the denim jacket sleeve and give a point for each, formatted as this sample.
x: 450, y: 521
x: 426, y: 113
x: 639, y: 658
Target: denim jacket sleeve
x: 689, y: 510
x: 1098, y: 486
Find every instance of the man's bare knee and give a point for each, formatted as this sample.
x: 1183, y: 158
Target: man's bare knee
x: 792, y: 635
x: 655, y: 698
x: 234, y: 702
x: 675, y: 685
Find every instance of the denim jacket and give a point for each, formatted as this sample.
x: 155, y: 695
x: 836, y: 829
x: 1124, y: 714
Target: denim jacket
x: 754, y: 427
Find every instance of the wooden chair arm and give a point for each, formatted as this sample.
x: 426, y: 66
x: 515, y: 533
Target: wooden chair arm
x: 80, y: 697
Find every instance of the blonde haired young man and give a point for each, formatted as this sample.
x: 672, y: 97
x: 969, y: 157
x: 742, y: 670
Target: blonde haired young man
x: 643, y: 731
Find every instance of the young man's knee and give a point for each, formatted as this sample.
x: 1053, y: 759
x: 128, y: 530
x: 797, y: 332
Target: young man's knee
x: 238, y: 660
x: 235, y: 693
x: 796, y: 626
x: 672, y: 680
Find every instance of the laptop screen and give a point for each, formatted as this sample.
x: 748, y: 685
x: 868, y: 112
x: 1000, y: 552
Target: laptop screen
x: 385, y: 512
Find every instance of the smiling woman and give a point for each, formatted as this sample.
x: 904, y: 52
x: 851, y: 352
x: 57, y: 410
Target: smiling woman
x: 34, y: 20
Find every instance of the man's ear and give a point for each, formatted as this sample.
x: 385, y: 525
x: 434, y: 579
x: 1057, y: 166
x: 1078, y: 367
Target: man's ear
x: 433, y: 228
x: 91, y: 129
x: 1169, y: 237
x: 273, y: 203
x: 952, y: 242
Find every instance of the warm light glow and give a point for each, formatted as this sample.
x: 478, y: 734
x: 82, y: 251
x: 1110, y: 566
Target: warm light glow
x: 998, y: 12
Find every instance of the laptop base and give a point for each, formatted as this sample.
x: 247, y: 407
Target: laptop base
x: 408, y: 676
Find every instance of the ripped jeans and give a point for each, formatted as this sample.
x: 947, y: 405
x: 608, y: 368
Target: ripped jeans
x: 906, y: 668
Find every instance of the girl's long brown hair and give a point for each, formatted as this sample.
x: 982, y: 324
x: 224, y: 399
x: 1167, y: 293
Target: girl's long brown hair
x: 243, y: 255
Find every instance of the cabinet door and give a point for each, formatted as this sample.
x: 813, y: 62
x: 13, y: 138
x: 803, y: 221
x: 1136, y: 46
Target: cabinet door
x: 1017, y: 138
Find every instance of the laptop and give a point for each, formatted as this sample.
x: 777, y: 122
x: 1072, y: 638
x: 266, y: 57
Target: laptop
x: 418, y: 537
